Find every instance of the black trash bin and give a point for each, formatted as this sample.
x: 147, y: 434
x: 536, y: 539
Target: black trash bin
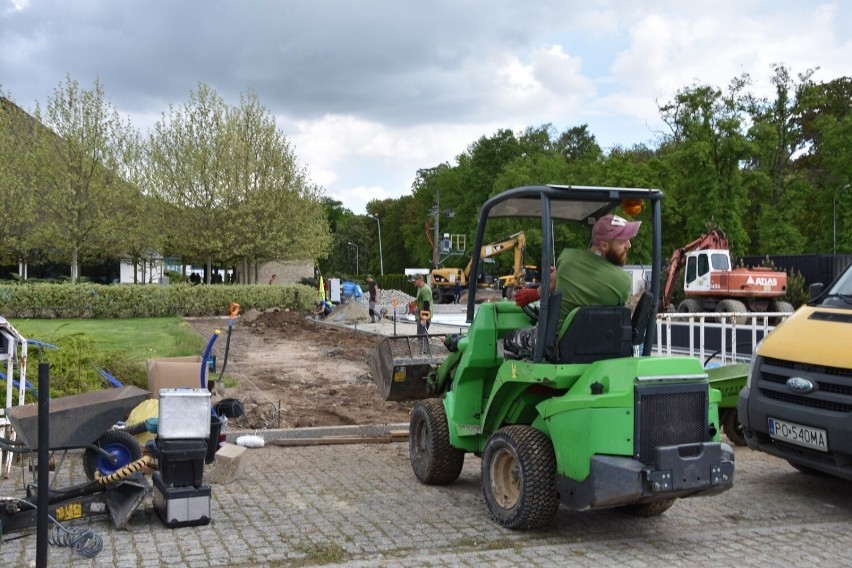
x: 213, y: 440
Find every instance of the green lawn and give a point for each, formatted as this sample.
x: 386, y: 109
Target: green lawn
x: 119, y: 346
x: 140, y: 338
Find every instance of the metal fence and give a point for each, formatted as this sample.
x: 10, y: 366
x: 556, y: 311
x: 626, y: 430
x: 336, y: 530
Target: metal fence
x: 728, y: 338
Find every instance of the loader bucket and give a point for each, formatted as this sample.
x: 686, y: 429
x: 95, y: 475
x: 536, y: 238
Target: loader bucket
x: 400, y: 368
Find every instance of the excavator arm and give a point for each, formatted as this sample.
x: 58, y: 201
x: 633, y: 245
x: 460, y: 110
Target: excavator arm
x: 713, y: 239
x: 517, y: 241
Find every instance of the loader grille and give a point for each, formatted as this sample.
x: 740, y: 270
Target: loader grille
x: 669, y: 415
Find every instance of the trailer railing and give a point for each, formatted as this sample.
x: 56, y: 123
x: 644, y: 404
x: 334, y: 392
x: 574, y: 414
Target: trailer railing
x: 710, y: 335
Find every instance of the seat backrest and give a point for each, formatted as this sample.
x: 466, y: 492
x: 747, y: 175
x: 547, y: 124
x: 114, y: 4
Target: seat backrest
x: 641, y: 313
x: 595, y: 333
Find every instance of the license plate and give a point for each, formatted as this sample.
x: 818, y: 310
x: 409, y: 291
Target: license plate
x: 815, y: 438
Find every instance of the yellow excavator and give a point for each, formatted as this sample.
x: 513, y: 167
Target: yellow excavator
x: 443, y: 280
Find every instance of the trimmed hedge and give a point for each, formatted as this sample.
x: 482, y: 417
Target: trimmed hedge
x: 74, y: 301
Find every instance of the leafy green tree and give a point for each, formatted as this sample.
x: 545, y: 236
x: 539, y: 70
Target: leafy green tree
x: 237, y: 192
x: 76, y: 167
x: 703, y: 153
x: 17, y: 230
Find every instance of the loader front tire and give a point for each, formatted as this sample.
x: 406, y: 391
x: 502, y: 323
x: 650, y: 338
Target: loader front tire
x: 732, y: 428
x: 433, y: 459
x: 519, y: 477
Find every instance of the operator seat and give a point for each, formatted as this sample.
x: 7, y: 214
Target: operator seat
x: 593, y: 333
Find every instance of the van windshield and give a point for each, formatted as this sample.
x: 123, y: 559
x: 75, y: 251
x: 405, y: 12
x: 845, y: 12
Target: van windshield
x: 839, y: 295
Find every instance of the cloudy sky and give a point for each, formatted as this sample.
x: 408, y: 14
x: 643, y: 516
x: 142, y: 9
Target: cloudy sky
x: 369, y: 91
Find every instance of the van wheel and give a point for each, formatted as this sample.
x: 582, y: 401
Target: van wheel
x: 807, y: 469
x: 433, y: 459
x: 732, y: 428
x: 648, y: 509
x: 519, y: 477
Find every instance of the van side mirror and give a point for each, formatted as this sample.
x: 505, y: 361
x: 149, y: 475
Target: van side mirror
x: 815, y: 289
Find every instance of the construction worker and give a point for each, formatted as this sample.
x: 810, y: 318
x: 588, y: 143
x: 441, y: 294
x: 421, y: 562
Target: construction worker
x: 592, y: 277
x: 373, y: 291
x: 424, y: 311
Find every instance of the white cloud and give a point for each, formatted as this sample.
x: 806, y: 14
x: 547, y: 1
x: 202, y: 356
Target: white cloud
x: 370, y: 92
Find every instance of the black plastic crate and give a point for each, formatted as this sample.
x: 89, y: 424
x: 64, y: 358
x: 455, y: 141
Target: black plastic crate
x: 181, y: 506
x: 182, y: 462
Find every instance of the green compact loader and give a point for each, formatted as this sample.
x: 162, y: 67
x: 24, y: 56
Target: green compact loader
x: 584, y: 416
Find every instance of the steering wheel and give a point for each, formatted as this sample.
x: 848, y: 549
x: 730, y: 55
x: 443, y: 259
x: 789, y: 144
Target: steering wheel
x: 531, y: 311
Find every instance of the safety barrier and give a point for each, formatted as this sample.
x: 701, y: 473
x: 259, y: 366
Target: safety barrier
x: 714, y: 336
x: 13, y: 352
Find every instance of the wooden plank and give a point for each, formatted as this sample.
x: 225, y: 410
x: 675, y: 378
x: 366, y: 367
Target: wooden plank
x: 332, y: 440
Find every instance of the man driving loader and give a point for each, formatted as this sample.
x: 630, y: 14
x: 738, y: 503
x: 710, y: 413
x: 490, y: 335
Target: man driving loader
x: 592, y: 277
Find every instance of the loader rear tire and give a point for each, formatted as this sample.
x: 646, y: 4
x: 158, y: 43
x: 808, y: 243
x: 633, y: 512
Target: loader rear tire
x: 732, y: 428
x: 433, y: 459
x: 519, y: 477
x: 648, y: 509
x: 120, y: 445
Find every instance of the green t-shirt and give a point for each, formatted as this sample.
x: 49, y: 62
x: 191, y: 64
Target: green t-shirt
x: 424, y: 294
x: 586, y: 279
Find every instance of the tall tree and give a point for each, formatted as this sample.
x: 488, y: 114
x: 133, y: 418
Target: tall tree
x: 18, y: 226
x: 76, y: 170
x: 703, y: 153
x: 232, y: 177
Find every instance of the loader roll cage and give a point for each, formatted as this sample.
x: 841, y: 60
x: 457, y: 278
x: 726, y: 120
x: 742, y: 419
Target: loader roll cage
x: 582, y: 204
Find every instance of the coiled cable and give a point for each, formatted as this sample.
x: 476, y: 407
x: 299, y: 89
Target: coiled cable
x: 82, y: 540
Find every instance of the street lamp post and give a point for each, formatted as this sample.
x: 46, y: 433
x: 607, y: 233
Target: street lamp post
x: 834, y: 215
x: 357, y: 269
x: 381, y: 261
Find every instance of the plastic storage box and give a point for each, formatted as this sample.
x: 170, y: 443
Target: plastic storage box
x: 181, y: 462
x: 181, y: 506
x: 184, y: 413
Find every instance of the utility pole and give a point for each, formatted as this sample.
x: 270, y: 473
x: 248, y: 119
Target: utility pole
x: 437, y: 232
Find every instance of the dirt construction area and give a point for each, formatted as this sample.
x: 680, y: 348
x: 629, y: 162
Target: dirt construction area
x: 290, y: 371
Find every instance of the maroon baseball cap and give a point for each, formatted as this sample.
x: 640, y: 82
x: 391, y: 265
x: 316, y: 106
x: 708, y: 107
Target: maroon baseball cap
x: 611, y: 227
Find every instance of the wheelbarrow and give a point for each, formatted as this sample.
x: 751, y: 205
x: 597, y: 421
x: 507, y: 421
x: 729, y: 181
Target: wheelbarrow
x: 112, y: 457
x: 85, y: 420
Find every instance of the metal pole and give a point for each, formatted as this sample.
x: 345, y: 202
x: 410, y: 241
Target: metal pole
x: 43, y: 462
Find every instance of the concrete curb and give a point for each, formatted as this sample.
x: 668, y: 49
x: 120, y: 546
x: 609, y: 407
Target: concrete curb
x: 369, y: 430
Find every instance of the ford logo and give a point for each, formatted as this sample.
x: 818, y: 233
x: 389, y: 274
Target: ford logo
x: 800, y: 385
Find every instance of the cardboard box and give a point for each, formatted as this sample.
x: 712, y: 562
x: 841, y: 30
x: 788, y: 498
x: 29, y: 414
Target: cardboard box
x: 174, y: 373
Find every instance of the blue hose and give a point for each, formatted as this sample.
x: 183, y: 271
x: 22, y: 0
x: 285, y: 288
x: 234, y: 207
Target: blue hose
x: 207, y: 356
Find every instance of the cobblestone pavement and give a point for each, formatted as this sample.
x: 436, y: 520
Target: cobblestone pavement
x: 360, y: 505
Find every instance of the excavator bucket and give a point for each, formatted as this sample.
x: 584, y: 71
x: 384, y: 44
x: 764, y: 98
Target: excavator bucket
x: 400, y: 365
